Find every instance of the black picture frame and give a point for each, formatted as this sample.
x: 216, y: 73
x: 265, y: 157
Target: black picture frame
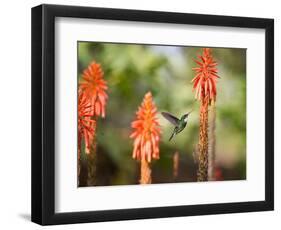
x: 43, y: 113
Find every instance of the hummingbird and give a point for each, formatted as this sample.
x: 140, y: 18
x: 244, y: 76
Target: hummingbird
x: 179, y: 124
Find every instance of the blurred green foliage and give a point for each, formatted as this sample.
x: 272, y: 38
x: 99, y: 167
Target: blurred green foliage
x: 131, y: 71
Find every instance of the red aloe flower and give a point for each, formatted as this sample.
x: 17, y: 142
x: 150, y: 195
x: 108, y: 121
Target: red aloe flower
x: 146, y: 131
x: 95, y: 87
x: 86, y: 125
x: 206, y: 74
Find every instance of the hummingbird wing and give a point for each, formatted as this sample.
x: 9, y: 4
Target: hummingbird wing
x: 171, y: 118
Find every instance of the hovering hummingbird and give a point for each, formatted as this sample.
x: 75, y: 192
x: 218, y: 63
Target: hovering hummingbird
x: 179, y: 124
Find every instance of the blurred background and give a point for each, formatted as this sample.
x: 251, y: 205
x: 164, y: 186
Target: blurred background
x: 131, y: 71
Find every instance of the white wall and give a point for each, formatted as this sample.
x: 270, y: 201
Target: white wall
x: 15, y: 113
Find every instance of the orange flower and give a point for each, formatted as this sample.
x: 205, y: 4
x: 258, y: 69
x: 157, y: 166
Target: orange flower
x: 206, y: 75
x: 86, y: 125
x: 95, y: 87
x: 146, y: 132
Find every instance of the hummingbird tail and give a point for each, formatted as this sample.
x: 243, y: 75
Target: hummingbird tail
x: 173, y: 134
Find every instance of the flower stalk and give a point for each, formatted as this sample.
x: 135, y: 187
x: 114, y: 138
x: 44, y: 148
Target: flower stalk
x: 86, y: 127
x: 202, y: 174
x: 92, y: 98
x: 212, y: 140
x: 176, y: 159
x: 204, y: 83
x: 145, y: 177
x: 146, y: 135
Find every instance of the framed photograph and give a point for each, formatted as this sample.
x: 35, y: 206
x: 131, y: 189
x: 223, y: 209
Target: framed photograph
x: 142, y: 114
